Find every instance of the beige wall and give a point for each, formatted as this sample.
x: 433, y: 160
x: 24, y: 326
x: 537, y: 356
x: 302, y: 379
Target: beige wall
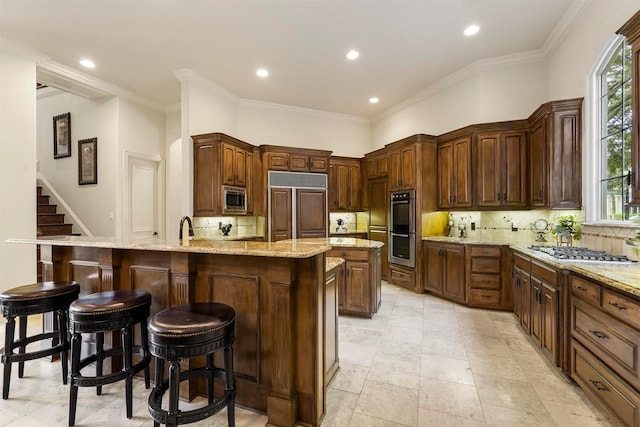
x: 17, y: 169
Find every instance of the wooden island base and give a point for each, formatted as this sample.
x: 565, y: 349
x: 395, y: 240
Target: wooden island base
x: 279, y: 344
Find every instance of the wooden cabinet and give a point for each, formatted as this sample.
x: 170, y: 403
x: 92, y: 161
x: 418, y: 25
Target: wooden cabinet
x: 218, y: 160
x: 377, y: 164
x: 444, y: 266
x: 537, y: 303
x: 501, y: 169
x: 334, y: 278
x: 487, y: 269
x: 605, y: 348
x: 555, y: 155
x: 345, y: 185
x: 454, y: 173
x: 402, y: 168
x: 310, y: 214
x: 631, y: 30
x: 292, y: 159
x: 362, y: 291
x: 378, y: 217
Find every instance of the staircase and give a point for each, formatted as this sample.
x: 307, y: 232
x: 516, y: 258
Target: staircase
x: 49, y: 223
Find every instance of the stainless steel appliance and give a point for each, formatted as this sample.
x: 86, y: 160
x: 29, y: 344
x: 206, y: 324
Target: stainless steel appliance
x: 234, y: 200
x: 402, y: 236
x: 573, y: 253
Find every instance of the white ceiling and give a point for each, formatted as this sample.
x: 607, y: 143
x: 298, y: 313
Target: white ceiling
x: 405, y: 46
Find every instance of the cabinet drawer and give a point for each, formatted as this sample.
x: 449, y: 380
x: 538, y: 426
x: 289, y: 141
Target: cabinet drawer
x: 613, y: 342
x: 522, y: 262
x: 543, y: 272
x: 620, y: 401
x: 481, y: 296
x: 585, y: 289
x: 487, y: 251
x: 351, y: 255
x: 485, y: 265
x: 407, y: 277
x: 485, y: 281
x: 318, y: 164
x: 621, y: 307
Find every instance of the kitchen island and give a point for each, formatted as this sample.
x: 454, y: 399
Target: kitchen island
x: 276, y: 289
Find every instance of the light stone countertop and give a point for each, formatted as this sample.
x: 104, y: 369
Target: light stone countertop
x: 339, y: 242
x: 332, y: 262
x: 292, y: 249
x: 622, y: 276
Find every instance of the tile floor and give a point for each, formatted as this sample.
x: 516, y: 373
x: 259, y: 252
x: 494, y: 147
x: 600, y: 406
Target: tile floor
x: 421, y: 361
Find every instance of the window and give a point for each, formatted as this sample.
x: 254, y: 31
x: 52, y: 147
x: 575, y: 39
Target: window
x: 615, y: 136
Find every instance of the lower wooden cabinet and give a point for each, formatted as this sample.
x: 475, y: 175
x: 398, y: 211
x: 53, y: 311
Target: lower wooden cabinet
x: 487, y: 276
x: 443, y: 273
x: 361, y: 293
x: 334, y: 279
x: 605, y: 348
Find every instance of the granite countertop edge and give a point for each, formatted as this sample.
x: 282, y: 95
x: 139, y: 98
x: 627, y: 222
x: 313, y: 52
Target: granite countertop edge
x: 215, y: 247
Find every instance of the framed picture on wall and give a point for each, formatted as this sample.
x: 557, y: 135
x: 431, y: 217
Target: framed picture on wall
x: 62, y: 136
x: 88, y: 161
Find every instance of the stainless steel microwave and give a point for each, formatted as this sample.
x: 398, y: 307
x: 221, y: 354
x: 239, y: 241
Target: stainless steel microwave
x: 234, y: 200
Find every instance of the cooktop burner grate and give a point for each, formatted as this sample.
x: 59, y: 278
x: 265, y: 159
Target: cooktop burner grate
x: 579, y: 254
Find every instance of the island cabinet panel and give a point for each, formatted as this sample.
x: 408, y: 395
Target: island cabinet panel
x: 605, y: 348
x: 281, y: 315
x: 362, y: 287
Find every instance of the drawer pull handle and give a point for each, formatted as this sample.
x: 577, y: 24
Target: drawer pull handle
x: 486, y: 296
x: 598, y: 334
x: 618, y: 306
x: 580, y: 288
x: 598, y: 385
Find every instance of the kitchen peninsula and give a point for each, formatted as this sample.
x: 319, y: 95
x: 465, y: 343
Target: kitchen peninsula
x: 277, y: 290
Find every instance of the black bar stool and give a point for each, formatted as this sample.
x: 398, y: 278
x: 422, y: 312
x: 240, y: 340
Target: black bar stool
x: 188, y: 331
x: 31, y: 299
x: 103, y: 312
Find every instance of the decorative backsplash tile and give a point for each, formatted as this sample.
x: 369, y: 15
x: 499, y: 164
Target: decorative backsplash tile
x: 210, y: 227
x: 342, y: 222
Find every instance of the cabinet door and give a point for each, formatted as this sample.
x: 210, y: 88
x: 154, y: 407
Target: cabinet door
x: 462, y: 172
x: 513, y: 159
x: 278, y: 161
x: 454, y: 277
x: 394, y: 170
x: 538, y: 164
x: 354, y: 187
x: 248, y: 176
x: 358, y: 292
x: 240, y: 167
x: 228, y: 162
x: 489, y: 170
x: 408, y: 168
x: 536, y: 308
x: 433, y: 265
x: 525, y: 319
x: 281, y: 214
x: 445, y: 175
x: 378, y: 203
x: 566, y: 184
x: 311, y: 213
x: 318, y: 164
x: 204, y: 200
x: 342, y: 177
x: 517, y: 293
x: 334, y: 189
x: 549, y: 318
x: 298, y: 163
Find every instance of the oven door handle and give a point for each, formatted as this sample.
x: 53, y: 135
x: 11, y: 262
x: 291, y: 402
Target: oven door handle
x: 401, y: 235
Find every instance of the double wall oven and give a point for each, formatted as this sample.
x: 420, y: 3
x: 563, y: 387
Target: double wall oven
x: 402, y: 235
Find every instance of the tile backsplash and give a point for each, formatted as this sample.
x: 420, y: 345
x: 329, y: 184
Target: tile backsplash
x: 610, y: 237
x: 348, y: 222
x: 209, y: 227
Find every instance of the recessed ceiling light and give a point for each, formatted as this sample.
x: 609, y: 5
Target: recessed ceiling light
x: 471, y: 30
x: 353, y: 54
x: 262, y: 72
x: 87, y: 63
x: 374, y: 100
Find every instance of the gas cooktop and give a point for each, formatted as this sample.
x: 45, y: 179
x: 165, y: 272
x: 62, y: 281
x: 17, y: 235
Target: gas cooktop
x: 579, y: 254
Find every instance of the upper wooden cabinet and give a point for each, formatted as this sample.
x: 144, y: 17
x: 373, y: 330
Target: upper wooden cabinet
x: 631, y: 30
x: 345, y: 184
x: 555, y: 155
x: 377, y: 164
x: 402, y: 168
x: 295, y: 159
x: 501, y: 169
x: 218, y: 160
x: 454, y: 173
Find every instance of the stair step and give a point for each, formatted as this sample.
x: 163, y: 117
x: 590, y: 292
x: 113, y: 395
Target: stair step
x: 39, y: 191
x: 50, y: 218
x: 45, y: 209
x: 54, y: 229
x: 43, y: 200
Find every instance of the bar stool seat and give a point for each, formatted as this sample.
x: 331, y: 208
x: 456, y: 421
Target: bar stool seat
x: 36, y: 298
x: 187, y: 331
x: 104, y: 312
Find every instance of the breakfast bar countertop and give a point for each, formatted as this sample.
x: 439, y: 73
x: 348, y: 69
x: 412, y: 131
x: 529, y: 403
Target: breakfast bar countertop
x: 338, y: 242
x: 288, y: 249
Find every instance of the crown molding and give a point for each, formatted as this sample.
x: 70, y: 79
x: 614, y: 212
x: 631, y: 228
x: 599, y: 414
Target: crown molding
x: 270, y: 106
x: 565, y: 24
x: 186, y: 75
x: 461, y: 75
